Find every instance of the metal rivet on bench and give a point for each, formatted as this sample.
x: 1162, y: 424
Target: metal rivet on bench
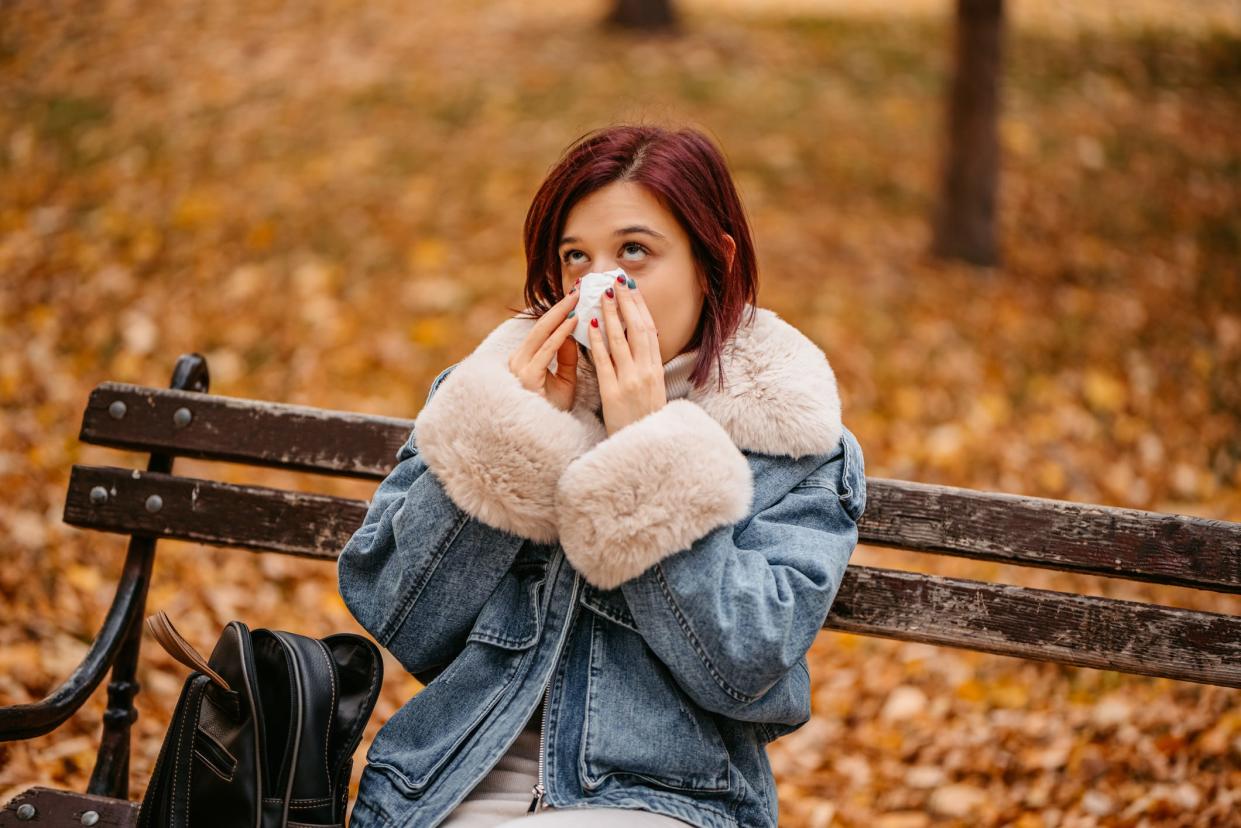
x: 98, y: 494
x: 117, y: 409
x: 155, y: 503
x: 26, y: 811
x: 181, y: 417
x: 90, y: 817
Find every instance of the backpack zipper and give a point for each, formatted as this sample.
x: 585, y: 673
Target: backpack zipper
x: 538, y: 791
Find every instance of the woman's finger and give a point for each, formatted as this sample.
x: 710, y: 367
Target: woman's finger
x: 652, y: 336
x: 621, y: 355
x: 542, y: 358
x: 566, y: 359
x: 636, y: 334
x: 545, y: 326
x: 604, y: 371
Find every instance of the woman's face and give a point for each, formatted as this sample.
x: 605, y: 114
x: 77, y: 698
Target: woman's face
x: 623, y: 225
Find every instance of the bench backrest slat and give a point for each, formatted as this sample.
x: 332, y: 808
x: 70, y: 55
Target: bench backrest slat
x: 1041, y: 624
x: 239, y: 430
x: 1053, y: 534
x: 1082, y: 630
x: 208, y: 511
x: 1012, y: 529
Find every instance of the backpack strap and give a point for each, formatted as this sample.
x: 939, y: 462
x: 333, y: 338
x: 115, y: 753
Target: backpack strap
x: 166, y: 634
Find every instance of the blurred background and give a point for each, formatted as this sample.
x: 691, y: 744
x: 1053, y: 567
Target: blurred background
x: 325, y: 198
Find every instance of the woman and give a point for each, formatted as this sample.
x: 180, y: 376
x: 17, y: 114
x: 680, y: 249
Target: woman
x: 607, y: 564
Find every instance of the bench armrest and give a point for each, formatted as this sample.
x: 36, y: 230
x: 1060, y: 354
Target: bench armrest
x: 26, y: 721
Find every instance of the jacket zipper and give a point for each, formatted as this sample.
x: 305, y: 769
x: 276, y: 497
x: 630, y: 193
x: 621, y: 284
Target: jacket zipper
x: 538, y: 791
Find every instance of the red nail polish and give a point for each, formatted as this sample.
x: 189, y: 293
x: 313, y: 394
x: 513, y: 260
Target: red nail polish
x: 594, y: 321
x: 609, y: 293
x: 620, y: 279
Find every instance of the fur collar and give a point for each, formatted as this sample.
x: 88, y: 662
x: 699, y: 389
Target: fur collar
x: 779, y: 395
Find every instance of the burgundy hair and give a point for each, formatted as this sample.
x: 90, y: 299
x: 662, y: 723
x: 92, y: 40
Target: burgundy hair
x: 685, y: 171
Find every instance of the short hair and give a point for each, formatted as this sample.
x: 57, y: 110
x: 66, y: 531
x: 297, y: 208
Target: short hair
x: 687, y: 173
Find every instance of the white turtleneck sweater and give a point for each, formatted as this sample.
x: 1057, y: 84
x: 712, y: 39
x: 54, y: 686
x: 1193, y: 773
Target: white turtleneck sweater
x: 676, y: 371
x: 676, y: 374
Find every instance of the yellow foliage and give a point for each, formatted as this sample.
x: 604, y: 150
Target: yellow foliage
x: 334, y: 211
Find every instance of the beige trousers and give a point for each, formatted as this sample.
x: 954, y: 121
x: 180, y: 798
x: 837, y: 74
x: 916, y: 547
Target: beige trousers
x: 503, y: 797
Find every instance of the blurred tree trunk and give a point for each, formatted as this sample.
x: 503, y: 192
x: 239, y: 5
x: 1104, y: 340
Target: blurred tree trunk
x: 643, y: 14
x: 965, y: 218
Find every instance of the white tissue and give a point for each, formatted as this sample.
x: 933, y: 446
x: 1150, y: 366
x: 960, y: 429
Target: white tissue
x: 590, y: 297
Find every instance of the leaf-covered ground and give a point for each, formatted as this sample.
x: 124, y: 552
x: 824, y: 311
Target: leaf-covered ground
x: 325, y: 198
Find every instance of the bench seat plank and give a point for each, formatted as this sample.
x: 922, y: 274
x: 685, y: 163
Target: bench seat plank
x: 56, y: 807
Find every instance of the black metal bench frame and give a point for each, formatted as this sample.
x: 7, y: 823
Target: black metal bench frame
x: 1044, y: 625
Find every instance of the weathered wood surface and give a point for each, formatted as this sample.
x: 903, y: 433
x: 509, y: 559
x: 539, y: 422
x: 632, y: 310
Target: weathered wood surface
x: 1028, y: 531
x: 1030, y: 623
x: 1158, y: 547
x: 52, y: 807
x: 240, y: 430
x: 209, y: 511
x: 1040, y: 624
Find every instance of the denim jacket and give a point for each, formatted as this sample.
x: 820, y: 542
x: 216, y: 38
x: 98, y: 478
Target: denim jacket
x: 657, y: 588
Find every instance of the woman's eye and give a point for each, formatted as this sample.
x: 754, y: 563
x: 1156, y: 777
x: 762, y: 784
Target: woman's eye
x: 634, y: 247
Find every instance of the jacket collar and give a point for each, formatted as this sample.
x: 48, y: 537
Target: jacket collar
x: 779, y: 394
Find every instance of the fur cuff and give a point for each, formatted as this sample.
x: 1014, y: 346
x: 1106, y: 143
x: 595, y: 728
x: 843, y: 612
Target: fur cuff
x: 498, y: 448
x: 649, y: 490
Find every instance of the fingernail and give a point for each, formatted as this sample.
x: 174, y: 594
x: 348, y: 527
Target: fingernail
x: 610, y: 293
x: 572, y: 312
x: 620, y: 279
x: 632, y: 284
x: 594, y: 322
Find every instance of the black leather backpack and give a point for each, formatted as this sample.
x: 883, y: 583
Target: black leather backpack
x: 264, y: 732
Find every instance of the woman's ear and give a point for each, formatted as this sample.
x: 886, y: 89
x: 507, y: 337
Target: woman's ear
x: 731, y: 244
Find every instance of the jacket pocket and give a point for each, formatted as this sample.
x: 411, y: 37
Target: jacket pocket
x: 609, y: 604
x: 419, y: 741
x: 640, y: 724
x: 512, y: 618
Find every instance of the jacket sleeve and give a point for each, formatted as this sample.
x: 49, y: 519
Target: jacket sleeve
x: 418, y: 570
x: 734, y: 605
x: 498, y: 448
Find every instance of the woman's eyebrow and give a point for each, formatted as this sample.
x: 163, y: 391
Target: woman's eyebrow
x: 634, y: 228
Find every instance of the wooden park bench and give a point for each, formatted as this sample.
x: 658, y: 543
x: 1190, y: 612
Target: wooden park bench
x: 1045, y: 625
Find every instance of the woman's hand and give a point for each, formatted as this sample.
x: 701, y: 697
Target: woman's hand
x: 550, y: 335
x: 631, y: 377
